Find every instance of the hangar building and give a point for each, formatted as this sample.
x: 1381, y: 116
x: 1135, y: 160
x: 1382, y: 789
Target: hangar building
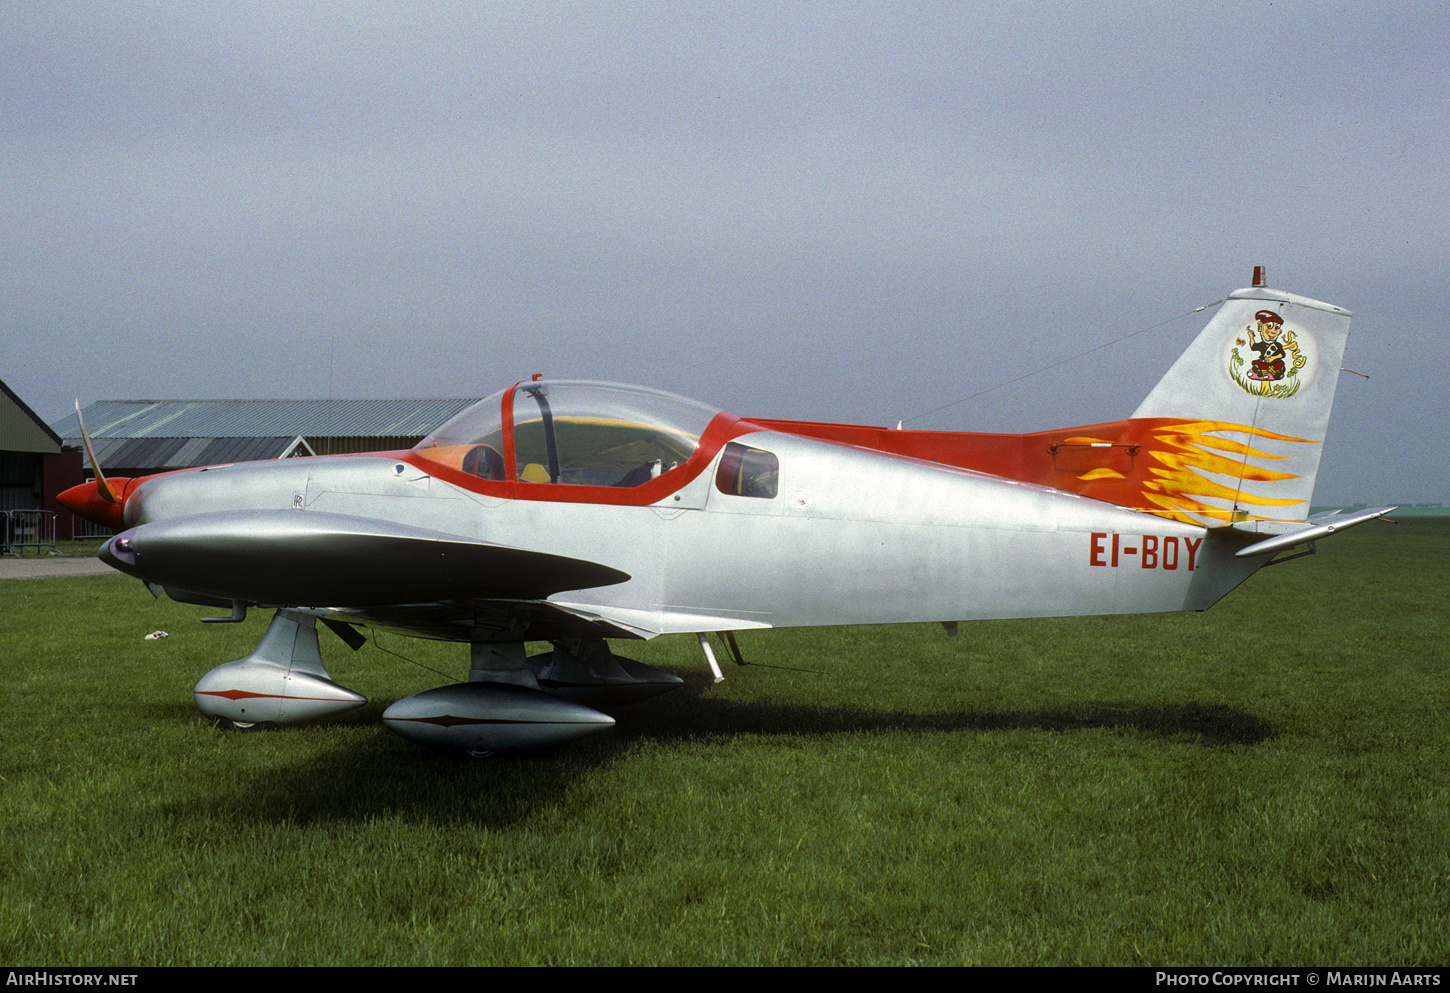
x: 35, y: 467
x: 141, y: 437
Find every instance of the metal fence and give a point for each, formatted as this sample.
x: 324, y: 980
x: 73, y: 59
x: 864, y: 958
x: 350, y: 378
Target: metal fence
x: 22, y: 529
x: 82, y: 528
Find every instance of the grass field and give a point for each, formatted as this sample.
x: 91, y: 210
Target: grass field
x: 1264, y: 783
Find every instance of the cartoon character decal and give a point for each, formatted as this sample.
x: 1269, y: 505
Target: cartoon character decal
x: 1267, y: 357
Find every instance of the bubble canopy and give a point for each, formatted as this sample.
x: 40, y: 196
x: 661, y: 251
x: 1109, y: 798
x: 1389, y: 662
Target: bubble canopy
x: 571, y: 432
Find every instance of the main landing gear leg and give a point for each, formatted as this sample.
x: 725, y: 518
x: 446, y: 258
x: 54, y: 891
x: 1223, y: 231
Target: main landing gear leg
x: 500, y: 662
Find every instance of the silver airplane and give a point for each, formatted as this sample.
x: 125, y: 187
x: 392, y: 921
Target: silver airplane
x: 575, y: 513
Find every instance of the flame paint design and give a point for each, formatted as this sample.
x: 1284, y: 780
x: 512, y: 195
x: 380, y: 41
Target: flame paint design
x: 1179, y: 488
x: 1156, y: 465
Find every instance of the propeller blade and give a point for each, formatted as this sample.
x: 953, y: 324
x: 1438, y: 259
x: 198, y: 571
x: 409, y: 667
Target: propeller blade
x: 103, y: 485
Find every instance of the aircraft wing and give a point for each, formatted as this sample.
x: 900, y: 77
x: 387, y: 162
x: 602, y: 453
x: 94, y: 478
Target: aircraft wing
x: 539, y: 620
x: 317, y: 559
x: 360, y: 570
x: 454, y: 619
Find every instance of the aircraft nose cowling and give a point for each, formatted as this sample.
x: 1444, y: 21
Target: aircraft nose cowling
x: 90, y: 501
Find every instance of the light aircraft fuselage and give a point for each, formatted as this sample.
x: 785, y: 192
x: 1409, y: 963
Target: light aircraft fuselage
x: 574, y: 512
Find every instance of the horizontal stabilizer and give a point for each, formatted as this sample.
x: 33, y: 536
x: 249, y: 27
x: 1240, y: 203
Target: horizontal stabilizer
x: 1320, y: 526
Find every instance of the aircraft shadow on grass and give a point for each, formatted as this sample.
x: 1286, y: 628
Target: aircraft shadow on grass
x: 374, y: 777
x: 690, y: 715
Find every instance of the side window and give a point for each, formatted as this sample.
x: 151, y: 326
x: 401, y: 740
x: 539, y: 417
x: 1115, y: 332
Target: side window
x: 748, y: 472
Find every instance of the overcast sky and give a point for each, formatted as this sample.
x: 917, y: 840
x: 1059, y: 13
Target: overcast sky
x: 853, y: 212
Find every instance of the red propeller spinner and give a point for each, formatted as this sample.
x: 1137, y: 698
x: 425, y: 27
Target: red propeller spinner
x: 102, y: 501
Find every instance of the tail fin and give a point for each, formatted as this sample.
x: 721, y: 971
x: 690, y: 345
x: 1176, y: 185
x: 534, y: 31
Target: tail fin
x: 1246, y: 409
x: 1232, y: 434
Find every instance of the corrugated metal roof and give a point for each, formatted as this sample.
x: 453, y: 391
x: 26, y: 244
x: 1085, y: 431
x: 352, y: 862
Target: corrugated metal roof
x: 260, y: 418
x: 156, y: 454
x: 220, y: 450
x: 148, y: 451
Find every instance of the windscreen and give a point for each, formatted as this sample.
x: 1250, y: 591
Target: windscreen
x: 573, y: 433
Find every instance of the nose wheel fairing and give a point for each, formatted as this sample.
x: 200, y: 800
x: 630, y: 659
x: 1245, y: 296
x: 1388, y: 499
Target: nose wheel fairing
x: 282, y: 682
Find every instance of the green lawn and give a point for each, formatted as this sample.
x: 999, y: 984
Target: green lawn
x: 1264, y: 783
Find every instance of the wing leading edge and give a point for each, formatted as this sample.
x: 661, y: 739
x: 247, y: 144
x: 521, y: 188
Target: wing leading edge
x: 315, y: 559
